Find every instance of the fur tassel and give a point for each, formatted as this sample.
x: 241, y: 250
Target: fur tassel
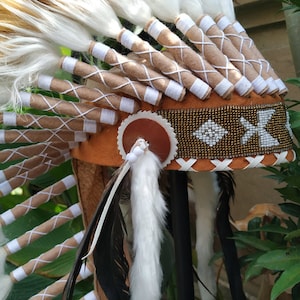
x: 148, y: 217
x: 226, y: 184
x: 206, y: 200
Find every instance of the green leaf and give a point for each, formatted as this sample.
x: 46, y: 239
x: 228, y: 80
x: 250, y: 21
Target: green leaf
x: 292, y: 235
x: 289, y: 278
x: 255, y: 242
x: 291, y: 209
x: 279, y: 260
x: 253, y: 270
x: 270, y: 228
x: 60, y: 267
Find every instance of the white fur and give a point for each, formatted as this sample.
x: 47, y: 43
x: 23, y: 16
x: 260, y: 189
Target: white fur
x: 98, y: 15
x: 206, y: 199
x: 192, y: 7
x: 135, y: 11
x: 166, y: 10
x: 148, y: 215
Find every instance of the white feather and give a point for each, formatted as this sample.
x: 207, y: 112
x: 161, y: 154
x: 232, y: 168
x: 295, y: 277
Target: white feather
x: 211, y: 7
x: 206, y: 199
x: 57, y: 28
x: 22, y: 59
x: 166, y: 10
x: 5, y: 280
x: 227, y: 8
x: 148, y: 216
x: 193, y: 8
x: 6, y: 286
x: 98, y: 15
x: 135, y: 11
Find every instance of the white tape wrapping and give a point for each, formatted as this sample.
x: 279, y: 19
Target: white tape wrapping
x: 69, y: 181
x: 2, y: 176
x: 155, y: 28
x: 238, y: 27
x: 272, y: 85
x: 5, y: 188
x: 222, y: 87
x: 90, y: 296
x: 8, y: 217
x: 223, y: 23
x: 10, y: 118
x: 13, y: 246
x: 19, y: 274
x: 100, y: 50
x: 127, y: 39
x: 68, y: 64
x: 206, y: 22
x: 75, y: 210
x: 200, y: 89
x: 174, y: 90
x: 259, y: 84
x: 108, y: 116
x: 243, y: 86
x: 151, y: 96
x: 25, y: 98
x: 184, y: 23
x: 127, y: 105
x: 44, y: 82
x: 89, y: 126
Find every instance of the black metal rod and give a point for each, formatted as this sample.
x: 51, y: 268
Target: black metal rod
x: 181, y: 234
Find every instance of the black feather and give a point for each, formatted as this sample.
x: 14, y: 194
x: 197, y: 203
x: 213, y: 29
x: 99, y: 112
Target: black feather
x: 85, y: 243
x: 227, y: 185
x: 109, y: 258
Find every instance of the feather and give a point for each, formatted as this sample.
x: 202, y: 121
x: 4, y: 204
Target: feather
x: 206, y: 199
x: 227, y: 184
x: 111, y: 265
x: 106, y: 207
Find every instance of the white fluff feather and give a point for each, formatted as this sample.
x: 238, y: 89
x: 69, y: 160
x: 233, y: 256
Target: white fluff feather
x: 148, y: 216
x: 206, y: 200
x: 5, y: 281
x: 98, y: 15
x: 166, y: 10
x: 54, y: 27
x: 22, y: 60
x: 135, y: 11
x: 193, y: 8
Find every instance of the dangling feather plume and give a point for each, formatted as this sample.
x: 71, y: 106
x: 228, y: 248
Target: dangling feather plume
x: 113, y: 276
x: 206, y: 200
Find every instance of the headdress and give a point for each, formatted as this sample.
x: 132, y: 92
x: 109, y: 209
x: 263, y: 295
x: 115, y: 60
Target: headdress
x: 194, y: 96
